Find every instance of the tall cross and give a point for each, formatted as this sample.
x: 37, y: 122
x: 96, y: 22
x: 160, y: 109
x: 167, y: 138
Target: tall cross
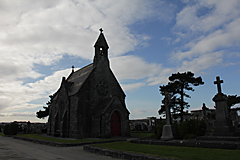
x: 101, y: 30
x: 166, y: 97
x: 167, y: 109
x: 218, y: 82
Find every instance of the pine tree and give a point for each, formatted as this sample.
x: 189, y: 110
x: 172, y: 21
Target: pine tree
x: 177, y: 87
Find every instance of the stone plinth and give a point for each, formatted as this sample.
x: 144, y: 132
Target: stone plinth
x: 223, y: 123
x: 169, y: 132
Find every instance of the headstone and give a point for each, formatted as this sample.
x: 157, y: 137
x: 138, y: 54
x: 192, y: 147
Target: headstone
x: 169, y: 131
x: 223, y: 124
x: 204, y: 108
x: 28, y: 127
x: 206, y: 120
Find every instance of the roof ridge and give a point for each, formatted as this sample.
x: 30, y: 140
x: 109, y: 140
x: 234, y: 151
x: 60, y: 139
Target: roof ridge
x: 84, y: 67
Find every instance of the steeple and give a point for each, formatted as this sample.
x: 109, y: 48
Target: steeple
x: 101, y: 49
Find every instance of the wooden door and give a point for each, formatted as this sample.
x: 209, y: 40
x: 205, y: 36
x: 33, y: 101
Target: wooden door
x: 115, y: 124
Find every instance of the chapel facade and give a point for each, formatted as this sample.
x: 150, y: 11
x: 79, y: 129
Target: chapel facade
x: 90, y: 102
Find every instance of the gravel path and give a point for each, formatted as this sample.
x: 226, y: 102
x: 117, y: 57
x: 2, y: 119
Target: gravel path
x: 13, y: 149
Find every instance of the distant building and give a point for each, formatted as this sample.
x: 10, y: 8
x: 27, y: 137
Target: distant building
x: 90, y: 102
x: 28, y: 127
x: 199, y: 114
x: 147, y: 124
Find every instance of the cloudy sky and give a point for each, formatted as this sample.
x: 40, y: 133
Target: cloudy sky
x: 148, y: 40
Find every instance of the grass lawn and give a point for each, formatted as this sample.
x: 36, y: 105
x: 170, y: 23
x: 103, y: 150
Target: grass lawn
x: 141, y: 134
x: 59, y: 140
x: 1, y: 134
x: 184, y: 153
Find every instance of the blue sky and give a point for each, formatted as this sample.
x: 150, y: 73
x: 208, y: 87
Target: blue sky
x: 148, y: 40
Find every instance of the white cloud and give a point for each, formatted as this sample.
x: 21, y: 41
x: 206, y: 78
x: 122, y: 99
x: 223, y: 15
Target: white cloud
x: 16, y: 96
x: 133, y: 67
x: 201, y: 63
x: 216, y: 14
x: 142, y: 112
x: 230, y: 36
x: 208, y: 34
x: 132, y: 86
x: 20, y: 116
x: 40, y: 33
x: 24, y: 114
x: 50, y: 83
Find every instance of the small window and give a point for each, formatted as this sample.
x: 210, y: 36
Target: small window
x: 101, y: 51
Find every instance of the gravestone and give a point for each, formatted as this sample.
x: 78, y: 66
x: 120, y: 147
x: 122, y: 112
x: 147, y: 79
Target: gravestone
x: 169, y: 131
x: 223, y: 124
x: 204, y: 108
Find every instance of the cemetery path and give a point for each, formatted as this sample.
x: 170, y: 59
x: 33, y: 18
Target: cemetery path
x: 22, y: 150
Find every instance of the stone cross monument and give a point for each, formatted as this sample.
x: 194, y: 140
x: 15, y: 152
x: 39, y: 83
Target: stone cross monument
x: 223, y: 123
x: 168, y: 132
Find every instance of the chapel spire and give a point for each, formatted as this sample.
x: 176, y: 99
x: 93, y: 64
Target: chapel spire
x: 101, y: 49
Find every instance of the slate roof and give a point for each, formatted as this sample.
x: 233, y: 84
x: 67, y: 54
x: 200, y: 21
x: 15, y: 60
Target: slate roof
x: 101, y: 41
x: 76, y: 79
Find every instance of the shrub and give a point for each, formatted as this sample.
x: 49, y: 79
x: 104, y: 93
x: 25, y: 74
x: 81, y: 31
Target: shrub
x: 10, y: 129
x: 158, y: 130
x: 186, y: 130
x: 191, y: 127
x: 190, y: 136
x: 5, y: 129
x: 13, y: 129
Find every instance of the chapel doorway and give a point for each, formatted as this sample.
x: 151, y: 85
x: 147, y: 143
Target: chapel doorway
x: 115, y: 124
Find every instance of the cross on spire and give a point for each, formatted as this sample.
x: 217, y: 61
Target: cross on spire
x: 101, y: 30
x: 72, y: 68
x: 218, y: 82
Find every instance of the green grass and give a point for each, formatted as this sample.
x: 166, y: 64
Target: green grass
x: 59, y: 140
x: 2, y: 134
x: 184, y: 153
x: 141, y: 134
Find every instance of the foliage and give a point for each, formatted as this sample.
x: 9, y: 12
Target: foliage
x: 5, y: 129
x: 10, y: 129
x: 42, y: 114
x: 179, y: 82
x: 158, y: 130
x: 186, y: 130
x: 13, y: 129
x: 174, y: 152
x: 191, y: 128
x: 232, y: 100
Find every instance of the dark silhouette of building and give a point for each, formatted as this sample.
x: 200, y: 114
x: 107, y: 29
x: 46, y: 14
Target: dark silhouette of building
x: 90, y: 102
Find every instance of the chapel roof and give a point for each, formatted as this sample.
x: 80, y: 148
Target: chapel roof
x: 77, y: 78
x: 101, y: 41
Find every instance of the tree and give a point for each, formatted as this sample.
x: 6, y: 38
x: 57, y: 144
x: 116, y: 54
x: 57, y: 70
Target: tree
x: 232, y: 100
x: 180, y: 82
x: 42, y: 114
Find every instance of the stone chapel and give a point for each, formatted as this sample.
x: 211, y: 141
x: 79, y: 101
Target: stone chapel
x: 90, y: 102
